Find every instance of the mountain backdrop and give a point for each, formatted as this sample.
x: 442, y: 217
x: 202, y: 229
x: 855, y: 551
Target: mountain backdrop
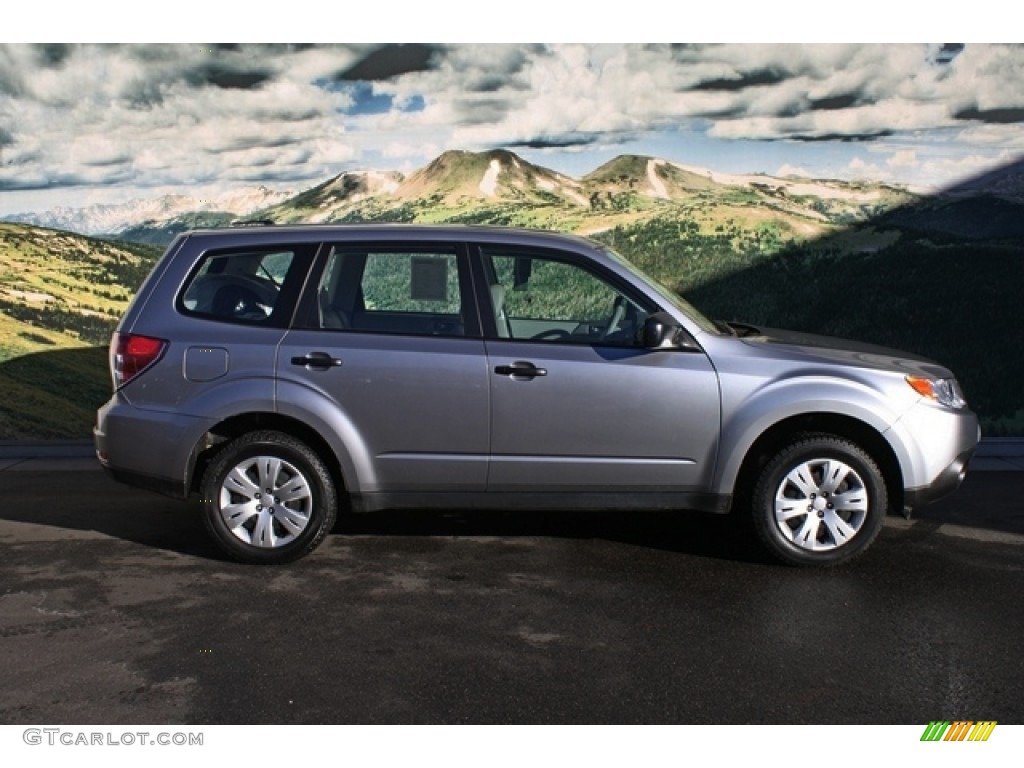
x: 937, y: 274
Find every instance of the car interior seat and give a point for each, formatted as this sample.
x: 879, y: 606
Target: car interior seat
x: 498, y: 303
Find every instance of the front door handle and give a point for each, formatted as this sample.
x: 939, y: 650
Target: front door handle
x: 317, y: 361
x: 521, y: 369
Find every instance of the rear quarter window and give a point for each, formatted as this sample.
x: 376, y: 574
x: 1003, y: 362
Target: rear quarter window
x: 251, y: 286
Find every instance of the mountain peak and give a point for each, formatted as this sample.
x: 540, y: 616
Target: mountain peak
x: 621, y: 166
x: 458, y: 175
x: 456, y: 159
x: 648, y: 176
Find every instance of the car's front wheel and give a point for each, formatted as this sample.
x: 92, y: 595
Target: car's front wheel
x: 268, y: 498
x: 821, y: 500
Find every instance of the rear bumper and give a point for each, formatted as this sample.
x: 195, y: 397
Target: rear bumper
x: 161, y: 485
x: 144, y: 448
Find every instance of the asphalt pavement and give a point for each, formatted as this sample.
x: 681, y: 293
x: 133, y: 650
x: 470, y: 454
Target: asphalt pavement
x: 116, y: 608
x: 979, y: 503
x: 499, y: 618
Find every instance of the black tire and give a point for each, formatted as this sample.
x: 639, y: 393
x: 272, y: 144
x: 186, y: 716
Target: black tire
x: 819, y: 501
x: 253, y: 526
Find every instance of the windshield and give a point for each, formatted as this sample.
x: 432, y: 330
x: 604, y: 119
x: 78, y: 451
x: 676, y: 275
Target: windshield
x: 670, y: 296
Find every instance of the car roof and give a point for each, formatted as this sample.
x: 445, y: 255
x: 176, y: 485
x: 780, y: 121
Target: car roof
x: 272, y: 233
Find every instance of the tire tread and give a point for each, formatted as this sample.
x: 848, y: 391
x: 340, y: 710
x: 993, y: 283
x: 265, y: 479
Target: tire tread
x: 324, y: 512
x: 763, y: 495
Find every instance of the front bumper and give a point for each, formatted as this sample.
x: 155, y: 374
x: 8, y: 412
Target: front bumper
x: 935, y: 445
x: 947, y: 482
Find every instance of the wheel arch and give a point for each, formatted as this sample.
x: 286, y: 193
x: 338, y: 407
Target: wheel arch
x: 773, y: 439
x: 234, y: 426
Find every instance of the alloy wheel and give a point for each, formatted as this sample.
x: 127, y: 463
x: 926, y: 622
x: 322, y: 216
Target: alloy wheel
x: 266, y: 501
x: 821, y: 504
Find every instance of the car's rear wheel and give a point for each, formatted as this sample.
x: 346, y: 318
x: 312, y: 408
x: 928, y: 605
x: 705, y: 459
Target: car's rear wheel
x: 820, y: 501
x: 268, y: 498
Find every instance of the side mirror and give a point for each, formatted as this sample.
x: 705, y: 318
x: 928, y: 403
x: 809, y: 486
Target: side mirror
x: 661, y: 331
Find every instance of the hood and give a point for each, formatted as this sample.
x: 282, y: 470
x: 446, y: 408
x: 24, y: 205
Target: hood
x: 842, y: 351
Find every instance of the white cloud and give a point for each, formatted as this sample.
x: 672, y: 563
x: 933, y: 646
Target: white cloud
x: 903, y: 158
x: 150, y: 116
x: 1007, y: 137
x: 178, y: 114
x: 858, y: 168
x: 792, y: 170
x: 946, y: 170
x: 400, y: 150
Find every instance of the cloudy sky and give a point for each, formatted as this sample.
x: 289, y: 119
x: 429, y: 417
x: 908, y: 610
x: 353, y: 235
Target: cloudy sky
x: 83, y: 123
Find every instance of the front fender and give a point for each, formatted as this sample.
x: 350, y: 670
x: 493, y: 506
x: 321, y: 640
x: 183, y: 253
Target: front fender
x: 748, y: 416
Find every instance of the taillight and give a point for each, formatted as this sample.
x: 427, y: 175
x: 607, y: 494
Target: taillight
x: 131, y: 354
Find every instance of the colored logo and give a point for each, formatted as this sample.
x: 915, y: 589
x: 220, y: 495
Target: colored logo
x: 959, y: 730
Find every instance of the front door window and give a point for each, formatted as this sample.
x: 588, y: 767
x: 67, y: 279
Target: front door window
x: 542, y: 298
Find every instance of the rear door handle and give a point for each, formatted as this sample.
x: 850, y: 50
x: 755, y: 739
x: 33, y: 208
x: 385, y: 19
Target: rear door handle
x: 521, y: 369
x: 317, y: 361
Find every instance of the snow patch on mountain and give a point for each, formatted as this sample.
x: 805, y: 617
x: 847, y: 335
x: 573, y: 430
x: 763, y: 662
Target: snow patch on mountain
x: 489, y: 183
x: 382, y: 182
x: 660, y: 190
x: 577, y: 198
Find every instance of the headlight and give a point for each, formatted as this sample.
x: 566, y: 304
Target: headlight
x: 943, y: 391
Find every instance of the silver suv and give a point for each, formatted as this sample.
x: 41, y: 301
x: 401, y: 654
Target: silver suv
x: 284, y: 373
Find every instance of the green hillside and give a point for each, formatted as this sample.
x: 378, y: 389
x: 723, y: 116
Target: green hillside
x: 867, y: 261
x: 951, y: 299
x: 61, y: 296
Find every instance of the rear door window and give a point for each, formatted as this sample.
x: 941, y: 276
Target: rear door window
x: 412, y: 291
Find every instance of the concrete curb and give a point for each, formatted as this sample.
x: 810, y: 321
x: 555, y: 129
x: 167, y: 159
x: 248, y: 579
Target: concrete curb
x: 975, y: 533
x: 1004, y: 454
x: 39, y: 449
x: 47, y: 455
